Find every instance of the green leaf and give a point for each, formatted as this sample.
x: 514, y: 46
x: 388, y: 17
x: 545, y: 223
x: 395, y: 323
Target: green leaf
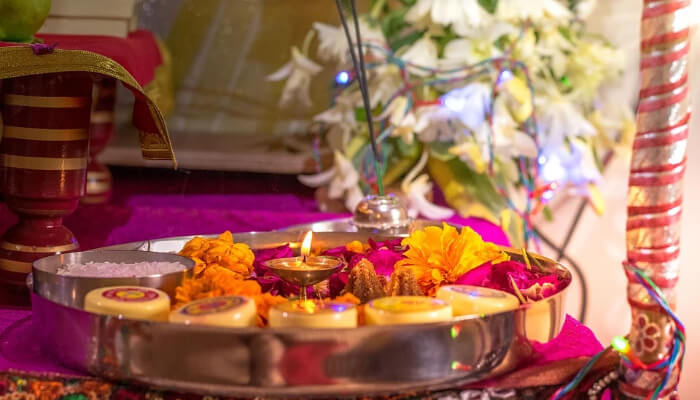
x: 547, y: 213
x: 408, y: 2
x: 489, y: 5
x: 408, y: 150
x: 406, y: 40
x: 360, y: 114
x: 441, y: 151
x: 74, y: 396
x: 393, y: 23
x: 443, y: 39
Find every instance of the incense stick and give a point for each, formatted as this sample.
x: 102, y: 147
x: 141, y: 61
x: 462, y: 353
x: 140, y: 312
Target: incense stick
x: 360, y: 73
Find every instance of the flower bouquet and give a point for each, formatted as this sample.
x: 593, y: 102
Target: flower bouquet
x: 500, y: 101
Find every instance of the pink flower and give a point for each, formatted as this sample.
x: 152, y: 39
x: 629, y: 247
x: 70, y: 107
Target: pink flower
x: 532, y: 284
x: 383, y: 255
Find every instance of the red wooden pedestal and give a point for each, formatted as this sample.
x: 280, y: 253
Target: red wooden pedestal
x: 44, y: 153
x: 99, y: 179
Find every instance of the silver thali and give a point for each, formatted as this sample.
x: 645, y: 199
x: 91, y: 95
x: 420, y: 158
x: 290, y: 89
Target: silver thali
x: 292, y: 362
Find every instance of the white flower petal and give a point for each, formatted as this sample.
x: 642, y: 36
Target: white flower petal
x: 281, y: 73
x: 420, y: 204
x: 353, y: 197
x: 423, y: 53
x: 303, y: 62
x: 318, y: 180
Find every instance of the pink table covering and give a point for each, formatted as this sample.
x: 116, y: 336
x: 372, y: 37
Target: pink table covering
x: 153, y: 204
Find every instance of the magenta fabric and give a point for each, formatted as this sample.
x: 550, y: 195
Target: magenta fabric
x: 160, y: 203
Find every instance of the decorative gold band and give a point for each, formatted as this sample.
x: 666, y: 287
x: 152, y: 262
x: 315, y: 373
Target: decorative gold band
x: 97, y: 187
x: 94, y: 198
x: 19, y: 61
x: 101, y: 117
x: 97, y: 175
x: 15, y: 266
x: 43, y: 163
x: 38, y: 249
x: 46, y: 101
x: 45, y: 135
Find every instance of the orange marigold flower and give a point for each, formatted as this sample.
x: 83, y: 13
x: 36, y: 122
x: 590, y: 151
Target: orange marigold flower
x: 221, y: 252
x: 355, y: 246
x: 348, y: 298
x: 439, y: 256
x: 216, y: 281
x: 263, y: 302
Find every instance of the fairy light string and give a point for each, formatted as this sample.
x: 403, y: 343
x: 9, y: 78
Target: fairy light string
x: 627, y: 356
x: 527, y: 170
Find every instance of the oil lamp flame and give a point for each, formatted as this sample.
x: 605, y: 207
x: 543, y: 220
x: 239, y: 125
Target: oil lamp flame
x: 306, y: 245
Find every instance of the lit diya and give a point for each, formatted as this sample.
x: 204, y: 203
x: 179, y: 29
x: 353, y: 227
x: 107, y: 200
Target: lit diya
x: 305, y: 270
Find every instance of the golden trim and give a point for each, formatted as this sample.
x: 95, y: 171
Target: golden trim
x: 44, y: 135
x: 94, y: 198
x: 17, y: 61
x: 96, y: 175
x: 101, y: 117
x: 38, y: 249
x: 93, y: 188
x: 15, y: 266
x: 29, y: 211
x: 45, y: 101
x: 43, y: 163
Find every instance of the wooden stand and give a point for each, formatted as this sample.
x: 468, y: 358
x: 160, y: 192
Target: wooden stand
x: 99, y: 179
x: 44, y: 153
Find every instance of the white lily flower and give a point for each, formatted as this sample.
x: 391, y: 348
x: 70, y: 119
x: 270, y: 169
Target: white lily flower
x: 423, y: 53
x: 298, y: 72
x: 434, y: 123
x: 401, y: 119
x: 342, y: 180
x: 416, y: 191
x: 461, y: 15
x: 384, y: 82
x: 341, y: 121
x: 535, y: 10
x: 469, y: 104
x: 559, y: 119
x: 509, y: 141
x: 333, y: 44
x: 478, y: 46
x: 573, y: 164
x: 590, y: 64
x: 584, y: 8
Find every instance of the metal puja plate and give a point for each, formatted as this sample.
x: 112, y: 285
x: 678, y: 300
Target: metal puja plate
x: 288, y: 362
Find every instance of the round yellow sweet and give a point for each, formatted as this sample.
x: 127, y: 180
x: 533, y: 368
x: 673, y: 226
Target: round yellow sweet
x: 313, y: 314
x: 133, y: 302
x: 230, y: 311
x: 475, y: 300
x: 406, y: 310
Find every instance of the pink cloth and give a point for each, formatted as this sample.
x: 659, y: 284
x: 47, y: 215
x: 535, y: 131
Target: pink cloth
x: 157, y: 204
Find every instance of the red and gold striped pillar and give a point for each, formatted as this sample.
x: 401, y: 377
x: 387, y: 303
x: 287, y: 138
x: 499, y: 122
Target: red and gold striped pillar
x: 99, y: 179
x: 655, y: 187
x: 43, y: 156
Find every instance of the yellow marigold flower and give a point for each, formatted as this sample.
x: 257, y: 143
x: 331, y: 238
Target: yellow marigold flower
x: 438, y: 256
